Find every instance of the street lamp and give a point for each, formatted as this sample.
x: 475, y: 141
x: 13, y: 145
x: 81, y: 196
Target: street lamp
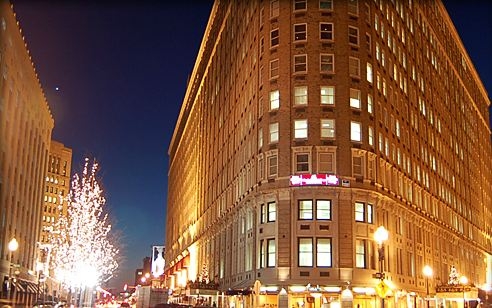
x: 464, y: 282
x: 427, y: 271
x: 381, y: 236
x: 13, y: 245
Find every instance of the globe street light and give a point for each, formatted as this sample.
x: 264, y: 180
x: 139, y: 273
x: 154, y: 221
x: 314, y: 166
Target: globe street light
x: 381, y: 236
x: 464, y: 282
x: 428, y: 274
x: 13, y: 245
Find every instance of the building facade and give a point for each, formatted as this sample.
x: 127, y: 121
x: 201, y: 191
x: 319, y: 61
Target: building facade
x: 308, y: 124
x: 56, y: 189
x: 26, y: 124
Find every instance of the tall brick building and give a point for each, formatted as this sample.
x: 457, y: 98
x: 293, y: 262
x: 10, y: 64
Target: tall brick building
x: 26, y: 124
x: 305, y: 126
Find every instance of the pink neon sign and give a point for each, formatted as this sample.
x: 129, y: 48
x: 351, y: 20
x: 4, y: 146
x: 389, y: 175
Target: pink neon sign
x: 313, y: 179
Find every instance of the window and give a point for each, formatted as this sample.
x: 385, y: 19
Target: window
x: 260, y: 138
x: 355, y: 131
x: 300, y: 5
x: 353, y: 35
x: 300, y: 32
x: 272, y: 165
x: 326, y: 5
x: 327, y: 128
x: 274, y: 69
x: 353, y: 7
x: 357, y: 164
x: 305, y: 209
x: 364, y: 212
x: 323, y: 252
x: 274, y: 8
x: 273, y: 132
x: 302, y: 162
x: 274, y: 39
x: 354, y: 67
x: 327, y: 95
x: 274, y: 99
x: 326, y: 162
x: 369, y: 104
x: 300, y: 63
x: 271, y: 253
x: 355, y: 98
x: 369, y: 72
x: 360, y: 212
x: 370, y: 136
x: 326, y: 31
x: 323, y: 209
x: 360, y: 253
x: 300, y: 129
x: 263, y: 216
x: 300, y: 94
x: 272, y: 212
x: 327, y: 63
x: 305, y: 252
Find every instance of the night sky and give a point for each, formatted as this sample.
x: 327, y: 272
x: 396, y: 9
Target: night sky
x: 121, y: 71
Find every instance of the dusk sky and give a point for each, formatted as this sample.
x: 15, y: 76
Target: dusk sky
x: 121, y: 71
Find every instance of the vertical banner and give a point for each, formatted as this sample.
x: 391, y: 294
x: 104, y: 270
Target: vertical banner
x: 157, y: 260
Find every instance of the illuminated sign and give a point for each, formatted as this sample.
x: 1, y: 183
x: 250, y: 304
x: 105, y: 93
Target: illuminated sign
x: 313, y: 179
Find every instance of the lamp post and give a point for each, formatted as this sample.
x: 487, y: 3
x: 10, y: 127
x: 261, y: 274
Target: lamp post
x: 381, y: 236
x: 464, y: 282
x: 13, y: 245
x: 427, y: 271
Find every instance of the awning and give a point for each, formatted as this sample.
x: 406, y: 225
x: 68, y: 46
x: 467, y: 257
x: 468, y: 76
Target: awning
x: 18, y: 286
x: 32, y: 287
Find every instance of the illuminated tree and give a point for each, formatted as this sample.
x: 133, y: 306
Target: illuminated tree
x: 84, y: 254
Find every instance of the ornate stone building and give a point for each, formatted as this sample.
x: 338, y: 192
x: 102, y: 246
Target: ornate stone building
x: 305, y: 126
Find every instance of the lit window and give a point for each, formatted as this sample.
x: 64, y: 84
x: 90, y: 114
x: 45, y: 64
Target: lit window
x: 326, y: 31
x: 369, y: 72
x: 360, y: 212
x: 369, y: 103
x: 360, y: 253
x: 274, y: 39
x: 305, y: 252
x: 305, y: 209
x: 262, y: 253
x: 274, y: 99
x: 327, y: 95
x: 323, y: 252
x: 263, y: 210
x: 273, y: 132
x: 300, y: 129
x: 355, y: 131
x: 327, y: 63
x: 323, y: 209
x: 327, y: 128
x: 271, y: 253
x: 274, y: 68
x: 300, y: 32
x: 302, y: 162
x: 370, y: 133
x: 355, y: 98
x: 353, y: 35
x: 272, y: 211
x: 300, y: 64
x: 260, y: 138
x: 300, y: 94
